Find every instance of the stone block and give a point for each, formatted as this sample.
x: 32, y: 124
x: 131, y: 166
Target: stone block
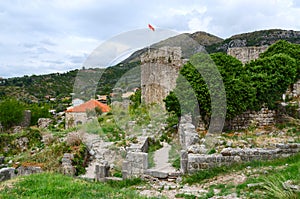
x: 2, y: 158
x: 7, y: 173
x: 157, y: 174
x: 183, y: 161
x: 28, y: 170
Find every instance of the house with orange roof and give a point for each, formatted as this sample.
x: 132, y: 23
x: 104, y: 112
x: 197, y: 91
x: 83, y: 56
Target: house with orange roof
x: 82, y: 113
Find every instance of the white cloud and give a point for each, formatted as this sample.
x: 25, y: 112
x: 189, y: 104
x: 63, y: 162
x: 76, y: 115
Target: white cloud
x: 43, y: 36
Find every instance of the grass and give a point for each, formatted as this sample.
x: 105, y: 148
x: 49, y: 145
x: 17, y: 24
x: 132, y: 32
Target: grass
x: 174, y: 155
x: 200, y: 176
x: 269, y: 184
x: 50, y: 185
x: 153, y: 146
x: 275, y: 189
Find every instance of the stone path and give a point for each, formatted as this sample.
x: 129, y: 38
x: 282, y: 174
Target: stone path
x: 99, y: 151
x: 161, y: 158
x: 162, y: 169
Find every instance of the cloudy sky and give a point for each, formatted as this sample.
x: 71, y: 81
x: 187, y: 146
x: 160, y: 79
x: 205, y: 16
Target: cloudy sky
x: 40, y: 36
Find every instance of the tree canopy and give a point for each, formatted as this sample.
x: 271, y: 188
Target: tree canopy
x: 11, y: 112
x: 248, y: 87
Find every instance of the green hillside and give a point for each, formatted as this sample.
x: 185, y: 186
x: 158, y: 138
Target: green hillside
x: 40, y: 88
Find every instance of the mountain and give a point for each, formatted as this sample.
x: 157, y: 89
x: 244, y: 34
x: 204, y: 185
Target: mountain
x: 189, y: 43
x: 256, y: 38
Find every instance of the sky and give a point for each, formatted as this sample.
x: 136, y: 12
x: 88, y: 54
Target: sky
x: 49, y: 36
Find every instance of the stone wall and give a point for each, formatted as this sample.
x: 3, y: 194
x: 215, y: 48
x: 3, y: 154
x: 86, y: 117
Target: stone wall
x: 136, y: 162
x: 159, y: 71
x: 229, y: 156
x: 264, y: 117
x: 246, y: 54
x: 66, y: 163
x: 293, y: 90
x: 74, y: 119
x: 135, y: 165
x: 26, y: 119
x: 10, y: 172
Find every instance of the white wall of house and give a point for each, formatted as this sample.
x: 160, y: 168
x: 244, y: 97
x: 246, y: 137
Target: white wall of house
x: 74, y: 119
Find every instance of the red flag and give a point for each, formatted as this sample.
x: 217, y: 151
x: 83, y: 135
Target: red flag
x: 151, y: 27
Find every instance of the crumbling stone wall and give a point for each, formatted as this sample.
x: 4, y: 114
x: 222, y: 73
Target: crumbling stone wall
x: 246, y: 54
x: 74, y: 119
x: 159, y: 71
x: 135, y: 165
x: 136, y: 162
x: 26, y: 119
x: 229, y: 156
x: 102, y: 171
x: 194, y: 155
x: 264, y: 117
x: 67, y: 167
x: 10, y: 172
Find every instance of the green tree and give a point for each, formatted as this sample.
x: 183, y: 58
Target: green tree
x: 11, y: 112
x: 136, y: 99
x: 39, y: 111
x: 240, y: 95
x: 287, y: 48
x: 271, y: 76
x: 258, y: 83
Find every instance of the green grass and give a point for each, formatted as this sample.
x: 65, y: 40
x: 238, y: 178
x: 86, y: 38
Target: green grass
x: 272, y: 186
x: 174, y: 155
x: 200, y: 176
x: 49, y: 185
x: 275, y: 189
x: 154, y: 145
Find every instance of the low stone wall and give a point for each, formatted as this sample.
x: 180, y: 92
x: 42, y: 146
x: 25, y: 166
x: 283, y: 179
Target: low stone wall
x: 264, y: 117
x: 136, y: 162
x: 66, y: 163
x: 194, y: 162
x: 188, y: 136
x: 10, y: 172
x: 28, y: 170
x: 135, y: 165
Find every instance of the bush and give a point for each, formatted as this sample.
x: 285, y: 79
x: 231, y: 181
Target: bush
x: 11, y: 112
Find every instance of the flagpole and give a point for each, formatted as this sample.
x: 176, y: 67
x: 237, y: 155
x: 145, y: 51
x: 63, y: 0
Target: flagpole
x: 153, y: 29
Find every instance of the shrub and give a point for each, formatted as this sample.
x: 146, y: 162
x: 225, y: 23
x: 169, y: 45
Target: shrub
x: 11, y: 112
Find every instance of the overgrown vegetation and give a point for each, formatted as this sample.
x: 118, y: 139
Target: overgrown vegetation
x: 11, y: 112
x: 9, y: 144
x: 262, y: 81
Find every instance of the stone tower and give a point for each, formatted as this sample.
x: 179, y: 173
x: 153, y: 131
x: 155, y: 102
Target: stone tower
x: 159, y: 71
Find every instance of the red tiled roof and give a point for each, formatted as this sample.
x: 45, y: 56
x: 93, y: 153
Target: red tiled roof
x: 88, y: 106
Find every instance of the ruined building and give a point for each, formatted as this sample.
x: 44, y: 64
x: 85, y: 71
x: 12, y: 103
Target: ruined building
x: 246, y: 54
x: 159, y: 71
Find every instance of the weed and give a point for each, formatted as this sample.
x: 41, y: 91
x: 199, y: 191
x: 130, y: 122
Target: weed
x: 174, y: 155
x: 212, y: 151
x: 185, y: 196
x: 275, y: 188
